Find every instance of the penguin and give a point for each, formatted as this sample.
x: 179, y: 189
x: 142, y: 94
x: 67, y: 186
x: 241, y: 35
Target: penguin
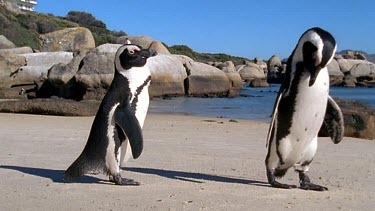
x: 303, y: 106
x: 116, y: 132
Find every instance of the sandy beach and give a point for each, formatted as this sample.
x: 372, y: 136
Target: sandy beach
x: 188, y: 163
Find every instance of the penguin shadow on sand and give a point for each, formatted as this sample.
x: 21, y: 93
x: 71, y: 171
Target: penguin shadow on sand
x: 195, y: 177
x: 55, y: 175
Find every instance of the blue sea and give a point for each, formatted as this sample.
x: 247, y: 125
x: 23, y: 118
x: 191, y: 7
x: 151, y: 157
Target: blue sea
x: 258, y: 104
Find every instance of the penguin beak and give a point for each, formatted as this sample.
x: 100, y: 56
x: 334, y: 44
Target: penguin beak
x: 147, y: 53
x: 152, y: 52
x: 314, y: 73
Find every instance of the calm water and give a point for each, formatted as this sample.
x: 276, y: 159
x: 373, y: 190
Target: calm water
x: 257, y: 106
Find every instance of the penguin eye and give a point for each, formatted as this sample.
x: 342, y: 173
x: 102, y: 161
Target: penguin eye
x: 131, y: 52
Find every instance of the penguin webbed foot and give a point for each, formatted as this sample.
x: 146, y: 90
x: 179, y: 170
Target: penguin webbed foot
x: 272, y: 180
x: 118, y: 180
x: 305, y: 183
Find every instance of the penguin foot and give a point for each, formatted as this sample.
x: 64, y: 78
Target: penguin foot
x: 311, y: 186
x: 118, y: 180
x: 281, y: 185
x: 272, y: 180
x: 305, y: 183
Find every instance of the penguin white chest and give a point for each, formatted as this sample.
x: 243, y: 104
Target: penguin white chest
x: 139, y: 81
x: 310, y: 108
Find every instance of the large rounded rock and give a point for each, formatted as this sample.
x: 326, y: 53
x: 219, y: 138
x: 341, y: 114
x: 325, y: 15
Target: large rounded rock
x: 205, y: 80
x: 108, y: 48
x: 60, y: 74
x: 354, y: 55
x: 274, y: 61
x: 335, y: 75
x: 167, y: 75
x: 349, y: 81
x: 275, y: 75
x: 250, y: 71
x: 9, y: 65
x: 38, y: 65
x: 69, y: 39
x: 230, y: 70
x: 97, y: 70
x: 262, y: 65
x: 5, y: 43
x: 359, y: 119
x: 259, y: 83
x: 59, y: 107
x: 61, y: 77
x: 347, y: 64
x: 21, y: 50
x: 363, y: 70
x: 145, y: 42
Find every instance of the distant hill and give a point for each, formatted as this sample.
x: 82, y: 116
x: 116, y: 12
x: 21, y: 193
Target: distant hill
x: 370, y: 57
x: 23, y: 29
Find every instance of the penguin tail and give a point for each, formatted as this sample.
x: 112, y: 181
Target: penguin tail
x: 75, y: 171
x: 83, y: 165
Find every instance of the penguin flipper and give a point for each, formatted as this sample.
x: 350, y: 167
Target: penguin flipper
x: 128, y: 122
x: 334, y: 121
x: 274, y: 116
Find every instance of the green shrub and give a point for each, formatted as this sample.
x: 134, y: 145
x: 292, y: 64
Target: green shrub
x: 205, y: 57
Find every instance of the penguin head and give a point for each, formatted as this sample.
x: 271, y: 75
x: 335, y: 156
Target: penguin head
x: 316, y: 48
x: 128, y: 56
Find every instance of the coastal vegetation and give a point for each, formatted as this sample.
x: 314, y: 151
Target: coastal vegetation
x: 23, y: 29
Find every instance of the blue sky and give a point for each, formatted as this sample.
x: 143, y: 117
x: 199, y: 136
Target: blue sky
x: 243, y: 28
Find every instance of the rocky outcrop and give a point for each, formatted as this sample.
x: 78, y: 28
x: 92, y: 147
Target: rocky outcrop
x: 359, y: 119
x: 9, y: 65
x: 91, y: 73
x: 5, y: 43
x: 365, y: 69
x: 96, y: 70
x: 38, y: 65
x: 349, y: 81
x: 274, y: 61
x: 348, y: 70
x: 275, y: 73
x: 69, y: 39
x: 346, y: 64
x: 144, y: 42
x: 23, y: 72
x: 335, y: 75
x: 262, y: 65
x: 21, y: 50
x: 61, y: 74
x: 168, y: 75
x: 205, y: 80
x: 354, y: 55
x: 62, y: 79
x: 54, y: 106
x: 259, y: 83
x: 230, y: 70
x: 250, y: 71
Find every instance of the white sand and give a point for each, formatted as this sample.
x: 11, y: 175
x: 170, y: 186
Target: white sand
x: 187, y: 163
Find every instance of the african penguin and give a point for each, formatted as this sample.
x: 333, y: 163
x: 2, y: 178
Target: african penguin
x: 302, y: 106
x: 117, y: 126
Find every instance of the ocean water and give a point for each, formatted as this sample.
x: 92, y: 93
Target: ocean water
x: 257, y: 106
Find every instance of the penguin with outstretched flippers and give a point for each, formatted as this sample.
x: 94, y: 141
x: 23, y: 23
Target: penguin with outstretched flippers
x: 302, y: 106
